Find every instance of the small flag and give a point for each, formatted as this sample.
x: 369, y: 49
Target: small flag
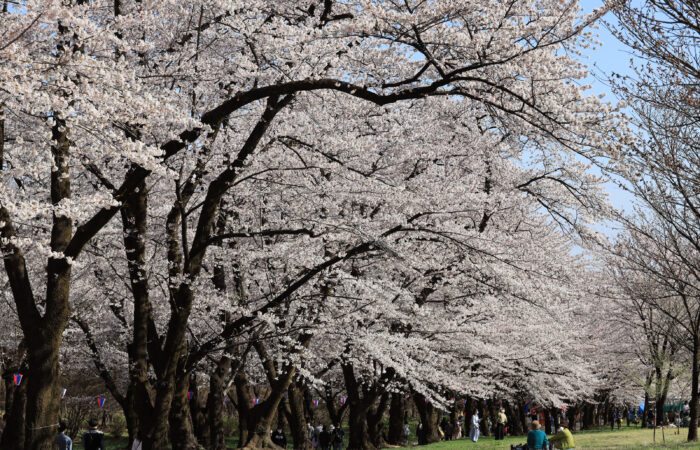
x: 256, y: 400
x: 286, y: 394
x: 18, y: 378
x: 100, y: 401
x: 190, y: 394
x: 452, y: 400
x: 63, y: 393
x: 426, y: 401
x: 224, y: 399
x: 405, y: 396
x: 464, y: 401
x: 342, y: 400
x: 315, y: 402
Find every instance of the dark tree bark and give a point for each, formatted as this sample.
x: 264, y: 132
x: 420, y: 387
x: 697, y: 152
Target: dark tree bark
x: 181, y: 428
x: 296, y: 416
x: 335, y: 411
x: 198, y: 411
x: 588, y: 418
x: 396, y: 418
x: 43, y: 334
x: 375, y: 414
x: 647, y: 409
x: 429, y: 417
x: 215, y: 402
x: 261, y: 417
x: 694, y: 385
x: 15, y: 406
x: 357, y: 411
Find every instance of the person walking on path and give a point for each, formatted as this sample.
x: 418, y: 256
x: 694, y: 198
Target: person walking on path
x: 279, y: 438
x: 406, y: 431
x: 324, y: 439
x: 420, y: 434
x: 613, y: 419
x: 338, y: 434
x: 536, y: 438
x: 564, y: 439
x: 63, y: 441
x: 94, y: 439
x: 137, y: 444
x: 501, y: 421
x: 474, y: 432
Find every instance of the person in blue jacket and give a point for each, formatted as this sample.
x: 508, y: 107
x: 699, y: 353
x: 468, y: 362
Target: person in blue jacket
x: 63, y: 441
x: 536, y: 438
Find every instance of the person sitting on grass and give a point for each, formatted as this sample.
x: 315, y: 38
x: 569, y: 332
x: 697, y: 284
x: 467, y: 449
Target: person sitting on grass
x: 536, y: 438
x: 563, y: 439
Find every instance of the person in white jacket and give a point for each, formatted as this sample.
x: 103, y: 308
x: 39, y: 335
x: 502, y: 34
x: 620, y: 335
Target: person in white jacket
x: 474, y: 432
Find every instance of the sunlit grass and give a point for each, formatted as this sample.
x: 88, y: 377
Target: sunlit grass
x: 625, y: 438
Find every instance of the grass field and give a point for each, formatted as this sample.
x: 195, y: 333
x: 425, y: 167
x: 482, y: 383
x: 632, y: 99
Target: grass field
x: 121, y: 443
x: 629, y: 438
x: 601, y: 439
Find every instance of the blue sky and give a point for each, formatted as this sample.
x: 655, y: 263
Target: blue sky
x: 612, y: 56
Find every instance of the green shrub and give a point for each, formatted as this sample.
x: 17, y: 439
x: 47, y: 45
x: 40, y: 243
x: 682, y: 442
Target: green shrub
x: 230, y: 426
x: 117, y: 426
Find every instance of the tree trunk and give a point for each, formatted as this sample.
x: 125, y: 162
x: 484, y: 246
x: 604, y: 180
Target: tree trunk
x: 513, y: 424
x: 200, y: 422
x: 215, y: 403
x: 43, y: 334
x: 483, y: 415
x: 659, y: 404
x: 572, y: 412
x: 375, y: 414
x: 588, y: 417
x: 429, y: 417
x: 335, y: 412
x: 181, y: 429
x: 309, y: 411
x: 132, y: 424
x: 243, y: 406
x: 521, y: 418
x: 396, y: 413
x: 157, y: 437
x: 263, y: 414
x: 294, y: 410
x: 645, y: 413
x: 15, y: 405
x: 357, y: 408
x: 693, y: 426
x: 43, y: 391
x: 357, y: 421
x: 145, y: 341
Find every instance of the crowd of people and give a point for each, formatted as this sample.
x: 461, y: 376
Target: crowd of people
x: 93, y: 438
x: 330, y: 437
x: 322, y: 437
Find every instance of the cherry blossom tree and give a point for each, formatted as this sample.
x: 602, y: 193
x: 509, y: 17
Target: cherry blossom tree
x: 663, y: 163
x: 166, y: 112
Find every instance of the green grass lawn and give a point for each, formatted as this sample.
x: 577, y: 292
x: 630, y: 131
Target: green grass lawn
x: 629, y: 438
x: 121, y: 443
x: 624, y: 438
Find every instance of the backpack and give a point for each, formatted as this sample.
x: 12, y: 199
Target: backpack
x: 338, y: 434
x: 93, y: 440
